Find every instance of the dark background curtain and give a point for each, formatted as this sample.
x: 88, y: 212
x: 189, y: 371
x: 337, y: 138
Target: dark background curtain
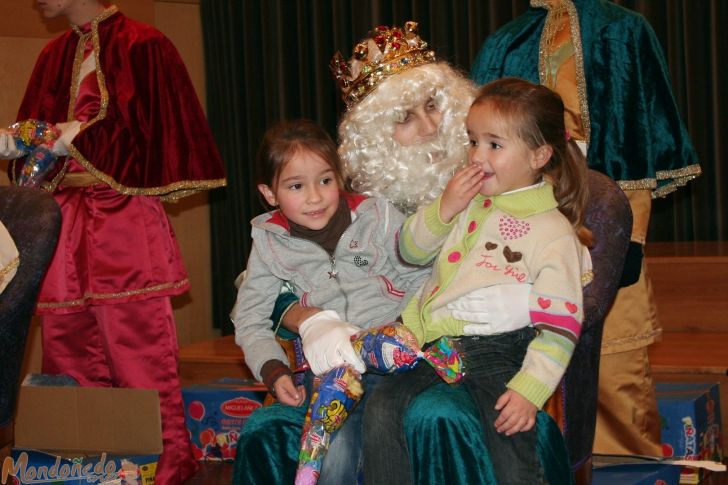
x: 268, y: 59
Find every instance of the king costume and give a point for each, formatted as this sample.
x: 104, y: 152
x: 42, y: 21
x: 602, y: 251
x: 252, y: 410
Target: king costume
x: 142, y: 138
x: 607, y: 64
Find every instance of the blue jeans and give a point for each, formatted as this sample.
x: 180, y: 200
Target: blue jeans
x: 490, y: 362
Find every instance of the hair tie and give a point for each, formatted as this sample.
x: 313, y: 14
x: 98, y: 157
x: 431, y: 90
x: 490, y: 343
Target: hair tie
x: 567, y: 135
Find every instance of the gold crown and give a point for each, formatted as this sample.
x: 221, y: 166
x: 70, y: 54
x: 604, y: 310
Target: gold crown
x: 387, y: 51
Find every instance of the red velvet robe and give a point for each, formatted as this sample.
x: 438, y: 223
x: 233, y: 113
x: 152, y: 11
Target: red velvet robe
x: 150, y: 135
x: 145, y: 136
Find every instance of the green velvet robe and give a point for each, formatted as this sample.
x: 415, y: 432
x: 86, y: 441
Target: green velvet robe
x: 271, y: 439
x: 628, y: 92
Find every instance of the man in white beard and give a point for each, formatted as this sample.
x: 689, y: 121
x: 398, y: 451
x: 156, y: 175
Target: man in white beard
x: 405, y: 140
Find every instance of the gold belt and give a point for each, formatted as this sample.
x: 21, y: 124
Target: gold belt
x: 79, y: 179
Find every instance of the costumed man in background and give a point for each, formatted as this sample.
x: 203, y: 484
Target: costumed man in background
x: 132, y: 134
x: 402, y: 137
x: 607, y: 64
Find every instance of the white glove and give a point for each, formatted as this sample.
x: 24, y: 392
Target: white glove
x: 494, y: 309
x: 326, y: 342
x: 68, y: 130
x: 8, y: 149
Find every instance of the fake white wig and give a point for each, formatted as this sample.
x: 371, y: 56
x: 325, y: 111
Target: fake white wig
x: 408, y: 176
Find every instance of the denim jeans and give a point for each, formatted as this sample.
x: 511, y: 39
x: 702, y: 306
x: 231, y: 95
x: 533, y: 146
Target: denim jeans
x: 490, y: 362
x: 343, y: 461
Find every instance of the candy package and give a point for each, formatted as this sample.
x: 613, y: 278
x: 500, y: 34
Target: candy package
x: 393, y: 349
x: 35, y: 139
x: 388, y: 349
x: 334, y: 397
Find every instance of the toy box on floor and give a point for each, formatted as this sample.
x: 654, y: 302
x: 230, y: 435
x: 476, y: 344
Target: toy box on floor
x: 29, y: 466
x: 216, y: 412
x: 84, y: 435
x: 636, y: 474
x: 691, y: 424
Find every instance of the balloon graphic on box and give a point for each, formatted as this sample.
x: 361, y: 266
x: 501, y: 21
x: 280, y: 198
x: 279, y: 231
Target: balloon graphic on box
x: 196, y: 410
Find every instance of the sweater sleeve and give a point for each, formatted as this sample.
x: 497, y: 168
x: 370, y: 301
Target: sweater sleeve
x: 423, y: 235
x: 559, y: 272
x: 414, y: 275
x: 251, y: 315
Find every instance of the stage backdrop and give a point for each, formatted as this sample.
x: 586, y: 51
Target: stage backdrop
x: 268, y: 59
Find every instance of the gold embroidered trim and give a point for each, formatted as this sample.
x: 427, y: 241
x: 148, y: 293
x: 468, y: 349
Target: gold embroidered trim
x: 75, y: 74
x: 99, y: 73
x: 107, y: 296
x: 51, y: 186
x: 679, y: 178
x: 587, y: 277
x: 651, y: 336
x: 10, y: 267
x: 549, y: 31
x: 75, y: 84
x: 99, y: 18
x: 579, y: 64
x: 689, y: 171
x: 170, y: 192
x: 637, y: 184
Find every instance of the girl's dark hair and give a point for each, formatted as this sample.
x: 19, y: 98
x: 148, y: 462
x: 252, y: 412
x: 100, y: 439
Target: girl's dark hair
x: 538, y: 116
x: 286, y: 138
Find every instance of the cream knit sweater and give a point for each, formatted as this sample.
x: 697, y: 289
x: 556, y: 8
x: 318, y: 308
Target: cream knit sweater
x: 517, y: 237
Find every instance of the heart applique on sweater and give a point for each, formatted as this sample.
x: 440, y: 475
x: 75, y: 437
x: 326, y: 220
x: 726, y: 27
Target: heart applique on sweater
x: 512, y: 228
x: 512, y: 256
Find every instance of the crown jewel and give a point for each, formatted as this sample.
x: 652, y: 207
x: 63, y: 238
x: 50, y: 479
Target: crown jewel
x: 387, y: 51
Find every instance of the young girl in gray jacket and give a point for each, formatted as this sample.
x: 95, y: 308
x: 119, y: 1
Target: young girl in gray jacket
x: 336, y: 250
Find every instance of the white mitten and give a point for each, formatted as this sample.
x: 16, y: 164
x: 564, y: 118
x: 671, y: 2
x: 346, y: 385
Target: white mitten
x: 8, y: 149
x: 68, y: 130
x: 326, y: 342
x: 494, y: 309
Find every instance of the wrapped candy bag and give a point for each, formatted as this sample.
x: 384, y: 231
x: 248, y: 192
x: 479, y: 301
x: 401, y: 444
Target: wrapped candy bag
x: 388, y: 349
x: 393, y: 349
x: 34, y: 138
x: 334, y: 397
x: 30, y: 133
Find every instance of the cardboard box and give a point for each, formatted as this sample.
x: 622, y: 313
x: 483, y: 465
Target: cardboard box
x: 691, y: 424
x: 215, y: 414
x: 97, y: 431
x: 28, y: 466
x: 636, y: 474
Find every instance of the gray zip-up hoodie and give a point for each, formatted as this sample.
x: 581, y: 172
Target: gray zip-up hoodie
x: 364, y: 281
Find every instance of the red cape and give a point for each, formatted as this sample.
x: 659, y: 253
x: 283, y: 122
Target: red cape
x: 152, y: 138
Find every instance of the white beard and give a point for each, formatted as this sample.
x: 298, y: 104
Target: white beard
x: 408, y: 176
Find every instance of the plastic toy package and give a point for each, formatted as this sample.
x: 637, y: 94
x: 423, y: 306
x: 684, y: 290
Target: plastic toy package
x: 35, y: 139
x: 388, y: 349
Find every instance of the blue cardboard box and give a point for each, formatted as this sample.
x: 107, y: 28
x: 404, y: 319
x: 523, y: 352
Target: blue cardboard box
x: 29, y: 466
x: 691, y: 424
x: 215, y: 414
x: 636, y: 474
